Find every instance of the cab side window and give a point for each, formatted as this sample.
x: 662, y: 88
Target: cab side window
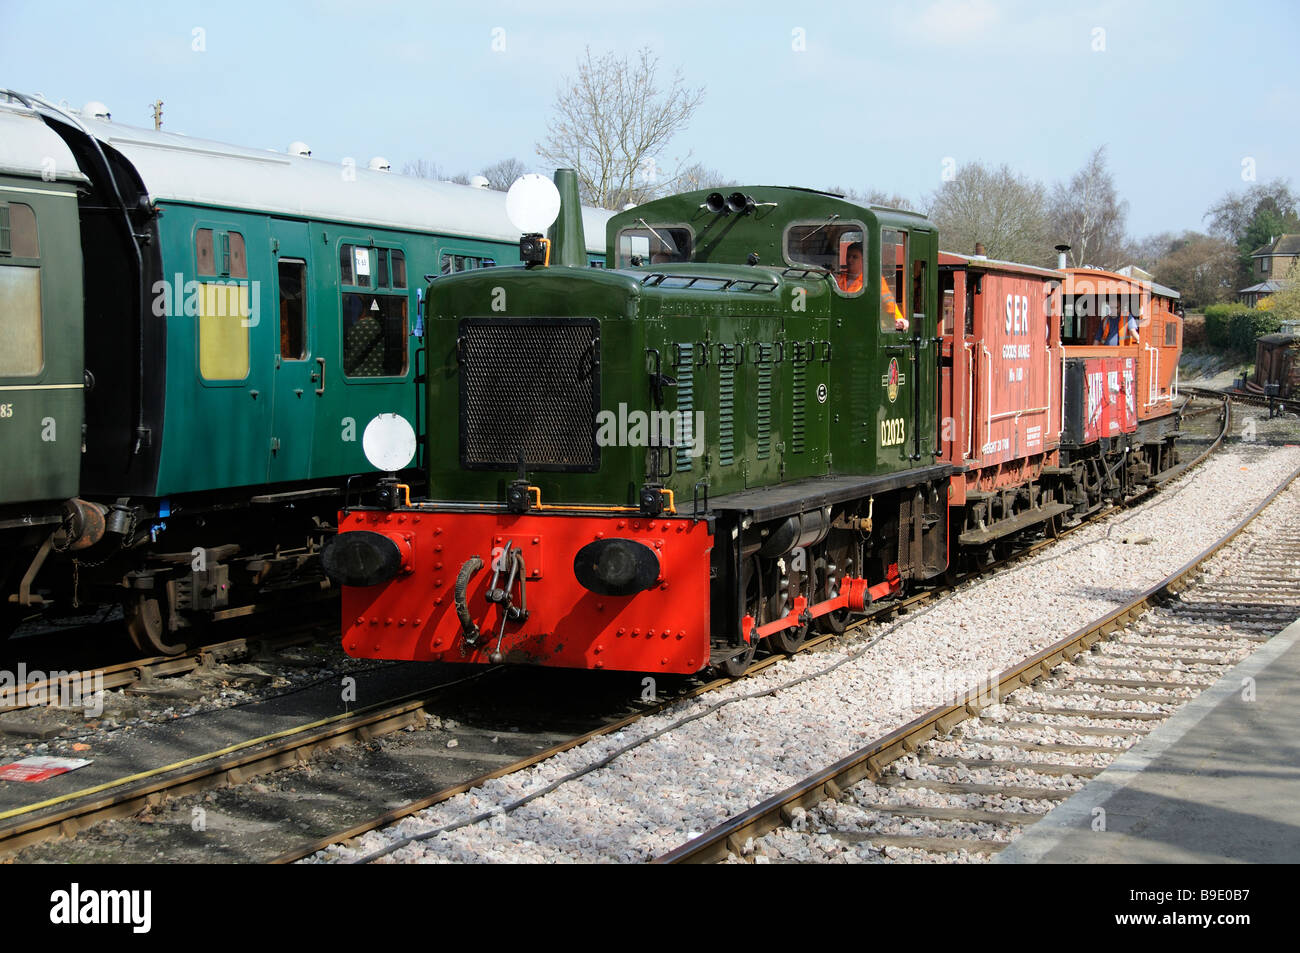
x: 893, y: 285
x: 838, y: 249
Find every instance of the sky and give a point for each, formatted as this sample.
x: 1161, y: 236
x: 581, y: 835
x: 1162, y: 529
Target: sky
x: 1191, y: 99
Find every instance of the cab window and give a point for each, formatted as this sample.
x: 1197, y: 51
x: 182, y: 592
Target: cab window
x: 659, y: 245
x: 893, y: 285
x: 837, y: 248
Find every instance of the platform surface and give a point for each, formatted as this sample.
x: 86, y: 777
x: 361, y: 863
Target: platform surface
x: 1219, y: 782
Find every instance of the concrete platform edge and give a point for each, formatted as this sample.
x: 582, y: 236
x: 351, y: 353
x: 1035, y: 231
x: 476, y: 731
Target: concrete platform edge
x: 1075, y: 813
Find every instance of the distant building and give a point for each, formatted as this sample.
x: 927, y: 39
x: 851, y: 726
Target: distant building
x: 1270, y: 265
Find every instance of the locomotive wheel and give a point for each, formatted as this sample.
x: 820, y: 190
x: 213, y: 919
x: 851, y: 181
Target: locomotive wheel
x: 738, y: 665
x: 147, y: 626
x: 833, y: 622
x: 788, y: 640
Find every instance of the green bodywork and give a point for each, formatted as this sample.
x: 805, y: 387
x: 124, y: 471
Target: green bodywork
x: 41, y: 414
x: 791, y: 376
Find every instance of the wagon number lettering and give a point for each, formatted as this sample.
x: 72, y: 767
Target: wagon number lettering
x: 6, y: 410
x: 891, y: 432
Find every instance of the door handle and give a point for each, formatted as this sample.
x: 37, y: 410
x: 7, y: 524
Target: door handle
x: 321, y: 377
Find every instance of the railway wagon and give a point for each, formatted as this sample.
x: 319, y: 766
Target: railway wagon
x: 727, y: 437
x: 1000, y: 382
x: 1122, y: 341
x: 1277, y: 373
x: 41, y: 310
x: 246, y: 312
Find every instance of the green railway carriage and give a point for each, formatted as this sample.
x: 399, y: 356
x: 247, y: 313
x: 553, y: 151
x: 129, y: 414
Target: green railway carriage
x: 40, y: 318
x: 762, y: 365
x: 246, y: 314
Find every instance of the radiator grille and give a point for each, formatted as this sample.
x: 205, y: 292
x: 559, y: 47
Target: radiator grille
x: 529, y: 385
x: 685, y: 404
x: 726, y: 413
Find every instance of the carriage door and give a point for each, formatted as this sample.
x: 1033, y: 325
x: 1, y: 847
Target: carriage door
x: 294, y: 394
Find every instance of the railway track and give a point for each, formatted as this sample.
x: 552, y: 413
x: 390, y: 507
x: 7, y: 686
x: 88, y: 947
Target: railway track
x: 1253, y: 400
x: 237, y: 764
x: 967, y: 777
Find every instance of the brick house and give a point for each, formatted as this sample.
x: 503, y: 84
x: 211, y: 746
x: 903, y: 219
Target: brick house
x: 1270, y: 265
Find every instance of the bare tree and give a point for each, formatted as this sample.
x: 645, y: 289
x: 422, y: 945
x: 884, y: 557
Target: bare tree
x: 612, y: 124
x: 1231, y: 216
x: 501, y: 175
x: 422, y: 169
x: 1201, y: 267
x: 1004, y: 211
x: 698, y: 176
x: 874, y: 197
x: 1087, y: 214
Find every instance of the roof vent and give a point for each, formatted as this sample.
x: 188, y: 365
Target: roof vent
x: 479, y: 181
x: 298, y: 148
x: 96, y: 110
x: 380, y: 164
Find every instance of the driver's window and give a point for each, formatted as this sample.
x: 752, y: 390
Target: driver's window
x: 893, y: 284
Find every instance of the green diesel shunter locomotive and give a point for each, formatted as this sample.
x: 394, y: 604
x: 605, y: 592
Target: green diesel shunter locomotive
x: 729, y: 435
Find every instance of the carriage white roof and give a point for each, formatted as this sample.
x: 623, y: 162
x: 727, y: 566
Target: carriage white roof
x: 30, y: 148
x: 177, y: 168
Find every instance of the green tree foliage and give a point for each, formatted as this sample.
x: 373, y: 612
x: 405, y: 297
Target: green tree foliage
x: 1202, y: 267
x: 1234, y: 327
x: 1252, y: 217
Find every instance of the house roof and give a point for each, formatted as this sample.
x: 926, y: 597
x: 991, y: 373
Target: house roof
x: 1282, y: 245
x: 1264, y: 287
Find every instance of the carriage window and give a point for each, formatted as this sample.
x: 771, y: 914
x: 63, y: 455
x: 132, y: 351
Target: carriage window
x: 18, y: 231
x: 1171, y: 334
x: 893, y: 290
x: 345, y: 264
x: 839, y: 249
x: 293, y: 310
x: 398, y: 261
x: 374, y: 335
x: 236, y: 265
x: 23, y: 354
x: 450, y: 264
x: 653, y: 246
x: 203, y: 252
x: 223, y: 331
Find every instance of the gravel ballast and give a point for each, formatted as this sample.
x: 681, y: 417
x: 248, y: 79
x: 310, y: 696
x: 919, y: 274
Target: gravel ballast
x: 690, y: 778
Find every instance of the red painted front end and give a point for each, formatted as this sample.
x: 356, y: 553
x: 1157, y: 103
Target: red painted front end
x: 413, y: 617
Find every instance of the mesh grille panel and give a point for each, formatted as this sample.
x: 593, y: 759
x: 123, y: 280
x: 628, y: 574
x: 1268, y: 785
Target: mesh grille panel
x: 530, y: 385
